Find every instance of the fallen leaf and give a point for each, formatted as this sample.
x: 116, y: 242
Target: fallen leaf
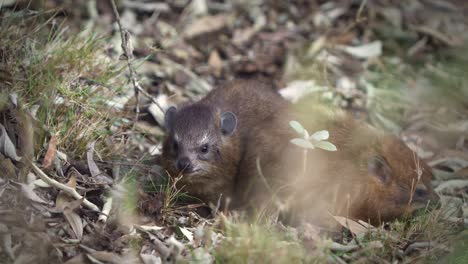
x: 198, y: 7
x: 75, y: 222
x: 67, y: 204
x: 366, y: 225
x: 241, y: 36
x: 64, y: 200
x: 106, y: 257
x: 188, y: 234
x: 6, y: 145
x: 99, y: 177
x: 148, y: 228
x: 93, y: 168
x: 150, y: 259
x: 29, y: 193
x: 353, y: 226
x: 215, y: 62
x: 451, y: 186
x: 50, y: 154
x: 40, y: 183
x: 373, y: 49
x: 206, y: 24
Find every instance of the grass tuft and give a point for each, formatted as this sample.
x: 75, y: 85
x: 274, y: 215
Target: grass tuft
x: 59, y: 74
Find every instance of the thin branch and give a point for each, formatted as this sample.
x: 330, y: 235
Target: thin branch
x: 64, y: 188
x: 128, y: 53
x: 106, y: 208
x: 343, y: 248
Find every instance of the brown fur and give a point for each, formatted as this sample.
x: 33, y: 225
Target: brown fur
x: 340, y: 182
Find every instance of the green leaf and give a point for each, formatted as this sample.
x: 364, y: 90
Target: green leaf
x: 302, y: 143
x: 320, y: 135
x: 325, y: 145
x: 297, y: 126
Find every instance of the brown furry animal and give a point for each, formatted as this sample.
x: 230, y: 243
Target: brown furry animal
x: 235, y: 142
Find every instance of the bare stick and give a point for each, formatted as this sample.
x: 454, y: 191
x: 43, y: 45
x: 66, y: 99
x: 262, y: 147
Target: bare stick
x: 128, y: 53
x: 64, y: 188
x: 343, y: 248
x: 106, y: 208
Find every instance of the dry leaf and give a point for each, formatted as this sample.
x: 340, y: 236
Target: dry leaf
x: 215, y: 62
x: 366, y: 225
x: 40, y: 183
x: 150, y: 259
x: 50, y: 154
x: 241, y: 36
x: 148, y: 228
x: 353, y: 226
x: 206, y: 24
x: 451, y: 186
x: 64, y: 199
x: 106, y: 257
x: 66, y: 205
x: 188, y: 234
x: 75, y: 222
x: 93, y: 168
x: 6, y: 145
x: 29, y: 193
x: 365, y: 51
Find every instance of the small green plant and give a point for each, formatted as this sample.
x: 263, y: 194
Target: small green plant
x: 307, y: 141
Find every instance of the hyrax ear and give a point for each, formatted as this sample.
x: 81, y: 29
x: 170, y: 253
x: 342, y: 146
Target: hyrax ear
x: 378, y: 167
x: 169, y: 117
x: 228, y: 123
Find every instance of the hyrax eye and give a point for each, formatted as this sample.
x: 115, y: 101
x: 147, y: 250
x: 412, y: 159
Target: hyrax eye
x: 204, y: 148
x: 175, y: 146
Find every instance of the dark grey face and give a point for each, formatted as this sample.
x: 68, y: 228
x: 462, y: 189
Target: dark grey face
x: 195, y: 135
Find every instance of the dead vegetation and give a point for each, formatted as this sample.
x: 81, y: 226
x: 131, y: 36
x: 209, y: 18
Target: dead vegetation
x: 80, y: 184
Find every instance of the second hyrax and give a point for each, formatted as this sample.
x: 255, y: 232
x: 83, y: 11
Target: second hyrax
x: 234, y: 145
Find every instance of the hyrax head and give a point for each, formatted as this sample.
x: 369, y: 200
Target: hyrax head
x: 197, y: 134
x: 400, y: 182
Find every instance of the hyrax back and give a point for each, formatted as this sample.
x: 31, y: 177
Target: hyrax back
x: 235, y: 143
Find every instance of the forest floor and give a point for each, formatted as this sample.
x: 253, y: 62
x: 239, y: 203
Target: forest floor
x: 80, y: 182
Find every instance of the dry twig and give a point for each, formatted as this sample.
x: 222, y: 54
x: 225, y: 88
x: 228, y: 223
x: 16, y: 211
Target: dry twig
x: 128, y: 53
x: 64, y: 188
x: 106, y: 208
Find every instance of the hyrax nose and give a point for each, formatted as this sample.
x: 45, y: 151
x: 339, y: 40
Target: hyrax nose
x: 184, y: 164
x: 426, y: 195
